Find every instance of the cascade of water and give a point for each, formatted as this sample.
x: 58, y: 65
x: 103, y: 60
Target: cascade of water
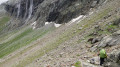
x: 30, y: 10
x: 26, y: 9
x: 18, y: 11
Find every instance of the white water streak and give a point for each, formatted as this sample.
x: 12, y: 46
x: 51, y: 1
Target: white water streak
x: 18, y: 12
x: 30, y: 10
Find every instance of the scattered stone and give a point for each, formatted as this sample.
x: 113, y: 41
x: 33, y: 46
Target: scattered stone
x: 94, y: 4
x: 61, y: 54
x: 93, y: 49
x: 95, y: 40
x: 92, y: 61
x: 95, y: 60
x: 116, y: 33
x: 110, y: 40
x: 88, y: 61
x: 90, y: 40
x: 80, y: 28
x: 107, y: 16
x: 105, y: 41
x: 111, y: 64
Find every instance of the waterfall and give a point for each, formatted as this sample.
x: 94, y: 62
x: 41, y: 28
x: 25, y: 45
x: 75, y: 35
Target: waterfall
x: 26, y: 10
x: 18, y: 11
x: 30, y: 10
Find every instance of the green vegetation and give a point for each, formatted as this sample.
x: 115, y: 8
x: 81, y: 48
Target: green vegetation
x: 78, y: 55
x: 14, y: 43
x: 20, y: 39
x: 3, y: 21
x: 27, y: 36
x: 78, y: 64
x: 63, y: 37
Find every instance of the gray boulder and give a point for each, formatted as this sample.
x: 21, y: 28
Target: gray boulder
x: 95, y: 60
x: 113, y: 60
x: 111, y: 64
x: 110, y: 40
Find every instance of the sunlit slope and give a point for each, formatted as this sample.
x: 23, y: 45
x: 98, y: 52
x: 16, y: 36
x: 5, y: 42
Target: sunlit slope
x: 20, y: 38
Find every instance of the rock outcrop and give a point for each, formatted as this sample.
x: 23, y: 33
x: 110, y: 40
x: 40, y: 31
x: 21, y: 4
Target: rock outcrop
x: 112, y: 40
x: 41, y: 11
x: 113, y: 60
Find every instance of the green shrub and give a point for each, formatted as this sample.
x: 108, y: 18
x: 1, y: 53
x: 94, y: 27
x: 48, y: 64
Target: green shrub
x: 78, y: 64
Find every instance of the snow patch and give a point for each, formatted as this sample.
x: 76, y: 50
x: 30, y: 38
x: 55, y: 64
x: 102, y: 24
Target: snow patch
x: 46, y: 23
x: 57, y: 25
x: 76, y: 19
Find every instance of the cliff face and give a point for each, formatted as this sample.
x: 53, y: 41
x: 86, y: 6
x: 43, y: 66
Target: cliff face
x: 58, y: 11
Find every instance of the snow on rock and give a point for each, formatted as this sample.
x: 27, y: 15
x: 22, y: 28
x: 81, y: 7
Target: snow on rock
x: 75, y: 19
x: 34, y: 24
x: 46, y: 23
x: 57, y: 25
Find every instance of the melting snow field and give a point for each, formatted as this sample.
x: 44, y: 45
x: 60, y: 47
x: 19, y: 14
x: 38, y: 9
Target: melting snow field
x: 56, y: 25
x: 76, y: 19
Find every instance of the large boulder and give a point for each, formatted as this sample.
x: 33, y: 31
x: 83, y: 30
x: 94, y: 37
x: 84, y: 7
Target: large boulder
x: 111, y: 64
x: 112, y: 40
x: 113, y: 60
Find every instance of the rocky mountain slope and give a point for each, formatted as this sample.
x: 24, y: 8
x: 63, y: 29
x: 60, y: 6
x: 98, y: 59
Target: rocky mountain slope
x: 86, y: 27
x: 41, y: 11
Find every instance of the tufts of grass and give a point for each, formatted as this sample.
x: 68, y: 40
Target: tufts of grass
x: 10, y: 45
x: 78, y: 64
x: 78, y: 55
x: 3, y: 21
x: 22, y: 38
x: 111, y: 26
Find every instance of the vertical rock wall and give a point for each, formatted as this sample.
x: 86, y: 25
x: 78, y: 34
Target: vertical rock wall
x: 58, y: 11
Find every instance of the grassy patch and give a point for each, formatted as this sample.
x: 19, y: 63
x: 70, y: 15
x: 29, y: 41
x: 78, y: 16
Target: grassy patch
x: 78, y: 64
x: 22, y: 38
x: 10, y: 45
x: 3, y: 21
